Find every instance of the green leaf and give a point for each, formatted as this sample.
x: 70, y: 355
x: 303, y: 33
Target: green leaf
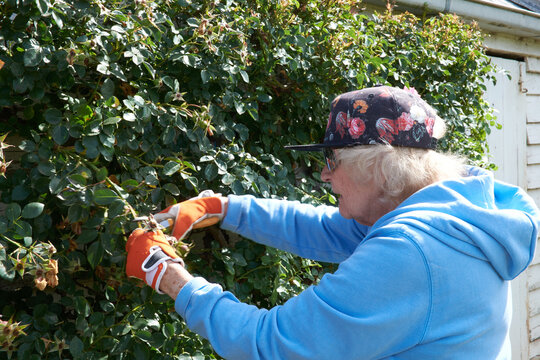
x: 107, y: 89
x: 112, y: 120
x: 106, y: 306
x: 22, y: 230
x: 149, y: 69
x: 56, y: 185
x: 81, y: 306
x: 120, y: 191
x: 172, y: 189
x: 57, y: 20
x: 77, y: 180
x: 168, y: 330
x: 95, y: 254
x: 240, y: 107
x: 46, y: 169
x: 170, y: 168
x: 264, y: 98
x: 32, y: 210
x: 144, y: 335
x: 157, y: 196
x: 60, y: 134
x: 141, y: 351
x: 27, y: 145
x: 117, y: 208
x: 75, y: 213
x: 150, y: 175
x: 43, y: 6
x: 121, y: 329
x: 189, y: 60
x: 254, y: 113
x: 53, y: 116
x: 3, y: 226
x: 87, y: 236
x: 242, y: 130
x: 6, y: 270
x: 32, y: 57
x: 245, y: 76
x: 129, y: 116
x: 205, y: 76
x: 104, y: 196
x: 96, y: 318
x: 13, y: 211
x: 23, y: 84
x: 76, y: 346
x: 102, y: 174
x: 103, y: 68
x: 228, y: 179
x: 91, y: 144
x: 168, y: 135
x: 210, y: 171
x: 20, y: 192
x: 117, y: 71
x: 170, y: 82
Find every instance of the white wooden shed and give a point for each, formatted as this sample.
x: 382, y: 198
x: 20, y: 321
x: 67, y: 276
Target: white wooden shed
x: 513, y: 42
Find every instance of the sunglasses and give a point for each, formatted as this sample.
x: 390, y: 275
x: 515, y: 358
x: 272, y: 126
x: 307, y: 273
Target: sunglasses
x: 330, y: 158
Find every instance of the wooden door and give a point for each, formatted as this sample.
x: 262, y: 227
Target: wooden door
x: 508, y: 148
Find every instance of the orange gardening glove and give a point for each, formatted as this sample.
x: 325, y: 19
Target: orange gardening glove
x: 204, y: 210
x: 148, y: 253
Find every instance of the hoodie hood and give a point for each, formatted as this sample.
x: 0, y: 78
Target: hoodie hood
x: 476, y: 215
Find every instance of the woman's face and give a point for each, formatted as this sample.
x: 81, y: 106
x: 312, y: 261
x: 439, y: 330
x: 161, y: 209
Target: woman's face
x: 358, y: 200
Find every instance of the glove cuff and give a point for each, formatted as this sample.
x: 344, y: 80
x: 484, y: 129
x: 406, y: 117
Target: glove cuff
x: 155, y: 265
x: 198, y: 213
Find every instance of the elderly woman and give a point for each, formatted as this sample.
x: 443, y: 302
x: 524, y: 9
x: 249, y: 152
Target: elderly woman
x: 426, y: 248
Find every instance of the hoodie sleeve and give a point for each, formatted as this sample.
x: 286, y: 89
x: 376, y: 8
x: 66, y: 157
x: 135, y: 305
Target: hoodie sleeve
x: 317, y: 233
x: 376, y: 304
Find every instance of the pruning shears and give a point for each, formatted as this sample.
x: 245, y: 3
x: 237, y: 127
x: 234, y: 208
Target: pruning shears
x: 152, y: 224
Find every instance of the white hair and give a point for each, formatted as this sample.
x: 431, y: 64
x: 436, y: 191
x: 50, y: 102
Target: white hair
x: 399, y: 172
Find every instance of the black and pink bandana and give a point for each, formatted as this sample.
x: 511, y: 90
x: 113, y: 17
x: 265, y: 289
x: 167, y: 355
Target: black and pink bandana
x: 378, y: 115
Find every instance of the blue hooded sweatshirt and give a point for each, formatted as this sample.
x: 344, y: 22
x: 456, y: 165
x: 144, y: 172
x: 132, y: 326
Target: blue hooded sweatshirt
x: 429, y: 280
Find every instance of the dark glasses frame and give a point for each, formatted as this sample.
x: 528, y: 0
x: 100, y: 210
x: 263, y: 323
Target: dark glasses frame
x: 330, y: 158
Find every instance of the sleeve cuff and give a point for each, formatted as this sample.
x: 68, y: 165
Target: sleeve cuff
x: 235, y: 209
x: 184, y: 296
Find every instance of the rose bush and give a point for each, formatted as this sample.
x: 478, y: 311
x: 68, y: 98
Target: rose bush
x: 126, y: 107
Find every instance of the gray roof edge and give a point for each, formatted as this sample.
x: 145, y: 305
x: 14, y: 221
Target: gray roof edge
x: 493, y: 17
x: 532, y: 5
x: 515, y: 9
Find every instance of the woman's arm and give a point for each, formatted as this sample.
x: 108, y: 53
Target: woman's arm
x: 358, y: 312
x: 318, y: 233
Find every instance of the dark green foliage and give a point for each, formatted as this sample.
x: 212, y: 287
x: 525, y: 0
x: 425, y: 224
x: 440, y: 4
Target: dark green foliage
x: 126, y: 107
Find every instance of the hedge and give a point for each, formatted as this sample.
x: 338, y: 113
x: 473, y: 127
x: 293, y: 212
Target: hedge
x: 124, y: 108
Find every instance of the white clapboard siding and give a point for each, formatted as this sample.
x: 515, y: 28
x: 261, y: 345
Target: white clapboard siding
x: 534, y: 348
x: 535, y: 194
x: 533, y: 177
x: 533, y: 277
x: 533, y: 154
x: 534, y: 325
x: 534, y: 321
x: 533, y: 64
x: 533, y: 134
x: 530, y: 82
x: 536, y: 259
x: 533, y: 108
x: 534, y: 303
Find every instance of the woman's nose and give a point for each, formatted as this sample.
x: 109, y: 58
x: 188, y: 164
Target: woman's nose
x: 326, y: 174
